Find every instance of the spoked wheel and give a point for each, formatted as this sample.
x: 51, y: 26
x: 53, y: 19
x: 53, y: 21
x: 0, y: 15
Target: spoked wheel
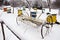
x: 45, y: 29
x: 18, y: 19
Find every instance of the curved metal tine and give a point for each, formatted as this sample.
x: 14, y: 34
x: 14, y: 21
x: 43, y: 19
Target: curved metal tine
x: 3, y: 30
x: 49, y: 28
x: 42, y: 31
x: 17, y: 19
x: 13, y: 32
x: 47, y: 31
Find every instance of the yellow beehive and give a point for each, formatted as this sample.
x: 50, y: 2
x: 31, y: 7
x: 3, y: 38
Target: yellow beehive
x: 19, y: 12
x: 51, y: 18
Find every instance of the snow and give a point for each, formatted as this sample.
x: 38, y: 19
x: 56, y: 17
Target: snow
x: 27, y: 32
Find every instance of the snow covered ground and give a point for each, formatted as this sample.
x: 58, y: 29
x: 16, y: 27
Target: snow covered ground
x: 26, y: 32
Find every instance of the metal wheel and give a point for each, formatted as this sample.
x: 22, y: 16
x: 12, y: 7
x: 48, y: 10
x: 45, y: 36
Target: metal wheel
x: 45, y: 29
x: 18, y: 19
